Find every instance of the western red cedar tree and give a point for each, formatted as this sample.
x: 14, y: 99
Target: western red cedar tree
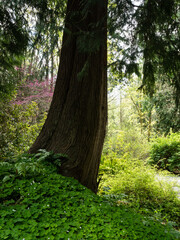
x: 76, y: 121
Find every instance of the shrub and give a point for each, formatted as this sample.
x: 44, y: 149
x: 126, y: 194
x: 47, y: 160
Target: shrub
x: 165, y: 152
x: 50, y: 206
x: 18, y: 128
x: 126, y: 142
x: 133, y: 182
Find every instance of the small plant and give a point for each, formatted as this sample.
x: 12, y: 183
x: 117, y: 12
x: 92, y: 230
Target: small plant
x: 165, y: 153
x: 29, y: 165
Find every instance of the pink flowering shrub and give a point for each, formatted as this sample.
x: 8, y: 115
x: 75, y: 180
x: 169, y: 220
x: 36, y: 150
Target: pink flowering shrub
x: 22, y: 118
x: 33, y: 91
x: 37, y: 91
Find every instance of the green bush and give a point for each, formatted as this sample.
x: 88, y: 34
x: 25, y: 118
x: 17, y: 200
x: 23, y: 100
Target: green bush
x: 137, y: 185
x: 18, y: 128
x: 126, y: 142
x: 50, y: 206
x: 165, y: 152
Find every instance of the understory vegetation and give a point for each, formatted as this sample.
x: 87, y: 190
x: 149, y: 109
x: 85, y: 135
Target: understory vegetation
x: 19, y: 128
x: 133, y: 202
x: 165, y: 152
x: 38, y: 203
x: 133, y: 169
x: 133, y: 183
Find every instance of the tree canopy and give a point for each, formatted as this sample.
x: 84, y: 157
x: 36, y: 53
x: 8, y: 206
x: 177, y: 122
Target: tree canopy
x: 147, y: 33
x: 139, y: 32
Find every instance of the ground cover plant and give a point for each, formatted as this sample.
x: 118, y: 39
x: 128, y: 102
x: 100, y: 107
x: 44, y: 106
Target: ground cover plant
x: 38, y: 203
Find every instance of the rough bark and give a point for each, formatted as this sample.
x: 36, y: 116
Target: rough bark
x: 76, y: 121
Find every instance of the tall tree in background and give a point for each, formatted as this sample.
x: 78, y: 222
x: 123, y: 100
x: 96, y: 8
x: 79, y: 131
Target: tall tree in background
x: 147, y: 30
x: 76, y: 121
x: 30, y: 32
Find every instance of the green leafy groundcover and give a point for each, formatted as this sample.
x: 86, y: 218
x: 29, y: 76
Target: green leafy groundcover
x: 38, y: 203
x: 51, y: 206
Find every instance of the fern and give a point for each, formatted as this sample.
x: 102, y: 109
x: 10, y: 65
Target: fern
x: 28, y: 165
x: 6, y: 169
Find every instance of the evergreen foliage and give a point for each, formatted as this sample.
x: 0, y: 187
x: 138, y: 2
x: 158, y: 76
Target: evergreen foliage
x: 24, y: 31
x: 14, y: 35
x: 148, y: 31
x: 167, y: 115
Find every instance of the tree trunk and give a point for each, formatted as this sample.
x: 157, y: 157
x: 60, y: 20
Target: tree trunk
x: 76, y: 121
x: 52, y: 72
x: 149, y: 125
x: 120, y: 110
x: 47, y: 67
